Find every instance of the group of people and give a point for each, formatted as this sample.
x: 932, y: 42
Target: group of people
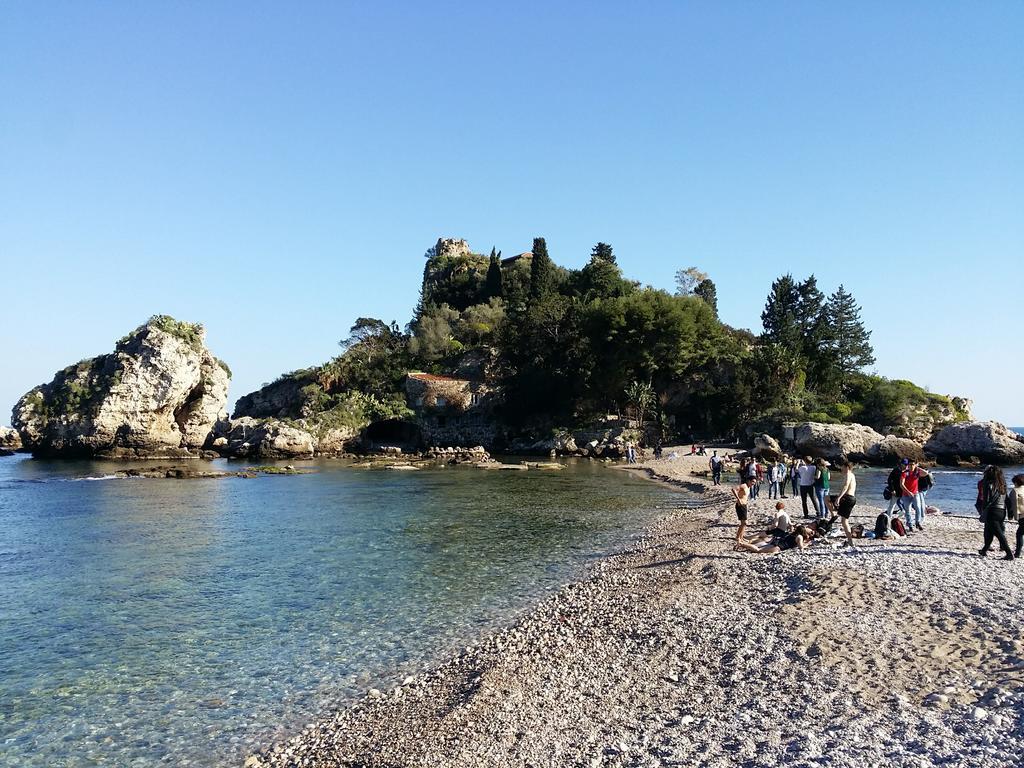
x: 906, y: 489
x: 812, y: 478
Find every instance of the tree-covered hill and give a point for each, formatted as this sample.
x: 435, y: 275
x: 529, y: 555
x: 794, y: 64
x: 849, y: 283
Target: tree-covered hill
x: 562, y: 347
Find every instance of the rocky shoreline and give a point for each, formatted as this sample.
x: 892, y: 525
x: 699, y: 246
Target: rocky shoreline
x: 682, y: 651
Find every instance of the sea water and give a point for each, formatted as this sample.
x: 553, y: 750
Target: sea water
x: 188, y: 622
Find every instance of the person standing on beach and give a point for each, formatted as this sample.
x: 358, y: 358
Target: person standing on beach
x: 794, y: 477
x: 993, y: 505
x: 847, y: 499
x: 773, y: 481
x: 782, y: 476
x: 1016, y: 497
x: 715, y: 464
x: 821, y: 486
x: 754, y: 473
x: 742, y: 494
x: 805, y: 471
x: 909, y: 497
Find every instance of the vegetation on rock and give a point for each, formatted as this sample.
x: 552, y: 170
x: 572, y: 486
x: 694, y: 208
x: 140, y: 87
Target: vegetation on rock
x: 566, y: 346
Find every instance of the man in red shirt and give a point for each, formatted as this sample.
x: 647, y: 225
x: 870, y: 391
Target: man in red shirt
x: 909, y: 497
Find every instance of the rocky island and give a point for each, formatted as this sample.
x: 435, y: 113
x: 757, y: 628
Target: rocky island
x: 520, y: 355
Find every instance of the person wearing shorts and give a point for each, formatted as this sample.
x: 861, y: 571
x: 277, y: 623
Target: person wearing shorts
x: 742, y: 494
x: 847, y: 499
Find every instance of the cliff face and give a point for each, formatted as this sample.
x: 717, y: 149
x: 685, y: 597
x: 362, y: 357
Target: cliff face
x: 158, y: 393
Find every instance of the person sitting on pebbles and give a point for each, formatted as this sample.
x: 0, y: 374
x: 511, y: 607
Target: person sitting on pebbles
x: 780, y: 522
x: 800, y: 537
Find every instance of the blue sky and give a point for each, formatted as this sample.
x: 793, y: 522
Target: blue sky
x: 275, y: 170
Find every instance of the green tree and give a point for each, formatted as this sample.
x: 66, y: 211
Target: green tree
x: 494, y: 287
x: 602, y: 252
x: 707, y: 291
x: 851, y: 342
x: 542, y: 270
x: 780, y: 317
x: 641, y: 396
x: 434, y: 338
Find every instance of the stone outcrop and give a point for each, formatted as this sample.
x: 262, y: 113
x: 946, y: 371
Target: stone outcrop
x: 10, y: 440
x: 989, y: 441
x: 157, y: 394
x: 252, y: 438
x: 835, y: 441
x: 891, y: 449
x: 767, y: 447
x: 920, y: 421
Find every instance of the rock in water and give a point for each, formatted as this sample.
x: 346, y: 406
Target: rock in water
x: 835, y: 441
x: 157, y: 394
x: 9, y: 439
x: 990, y: 441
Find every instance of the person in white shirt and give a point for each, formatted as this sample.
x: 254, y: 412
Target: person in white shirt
x: 805, y: 472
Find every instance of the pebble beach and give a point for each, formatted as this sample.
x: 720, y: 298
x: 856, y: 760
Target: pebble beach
x: 682, y: 651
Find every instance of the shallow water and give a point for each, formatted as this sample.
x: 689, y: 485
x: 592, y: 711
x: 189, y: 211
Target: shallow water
x: 162, y: 622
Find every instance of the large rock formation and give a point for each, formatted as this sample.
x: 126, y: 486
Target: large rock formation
x: 835, y: 441
x: 157, y: 394
x: 989, y: 441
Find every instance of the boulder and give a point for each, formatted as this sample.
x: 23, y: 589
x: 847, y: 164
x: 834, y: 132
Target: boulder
x: 990, y: 441
x: 767, y: 447
x: 835, y: 441
x: 157, y: 394
x: 891, y: 449
x: 335, y: 440
x: 9, y: 439
x: 263, y: 438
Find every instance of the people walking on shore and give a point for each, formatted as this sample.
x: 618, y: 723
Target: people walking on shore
x: 742, y: 494
x: 847, y: 499
x: 715, y: 465
x: 805, y: 472
x: 993, y: 508
x: 893, y: 490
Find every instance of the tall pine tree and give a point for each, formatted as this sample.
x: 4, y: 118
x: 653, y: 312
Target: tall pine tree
x: 542, y: 270
x: 780, y: 317
x: 602, y: 252
x: 494, y: 287
x: 851, y: 341
x: 707, y: 291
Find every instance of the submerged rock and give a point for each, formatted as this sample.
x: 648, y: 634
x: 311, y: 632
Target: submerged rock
x: 157, y: 394
x: 990, y: 441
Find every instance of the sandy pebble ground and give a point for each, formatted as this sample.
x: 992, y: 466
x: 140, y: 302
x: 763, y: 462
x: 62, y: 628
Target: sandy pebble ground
x: 684, y: 652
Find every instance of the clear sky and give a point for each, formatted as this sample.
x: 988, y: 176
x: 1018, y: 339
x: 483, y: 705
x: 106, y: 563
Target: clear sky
x: 275, y: 170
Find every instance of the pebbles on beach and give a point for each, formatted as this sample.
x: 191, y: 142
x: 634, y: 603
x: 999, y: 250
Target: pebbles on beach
x: 684, y: 652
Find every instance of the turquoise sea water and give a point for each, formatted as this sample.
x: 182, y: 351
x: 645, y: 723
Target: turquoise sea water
x: 159, y: 622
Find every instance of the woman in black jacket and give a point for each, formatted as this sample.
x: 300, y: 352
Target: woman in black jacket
x: 993, y: 505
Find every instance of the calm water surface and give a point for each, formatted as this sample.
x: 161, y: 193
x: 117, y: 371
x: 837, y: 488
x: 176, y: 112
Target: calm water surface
x: 161, y: 622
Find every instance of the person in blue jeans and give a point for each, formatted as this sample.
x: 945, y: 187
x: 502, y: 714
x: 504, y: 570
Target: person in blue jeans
x: 821, y: 485
x: 910, y: 498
